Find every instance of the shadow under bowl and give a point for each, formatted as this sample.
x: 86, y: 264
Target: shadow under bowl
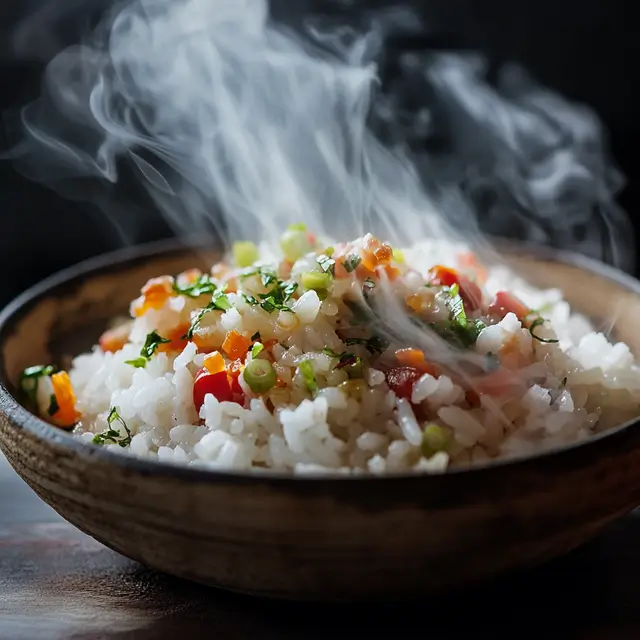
x: 322, y: 538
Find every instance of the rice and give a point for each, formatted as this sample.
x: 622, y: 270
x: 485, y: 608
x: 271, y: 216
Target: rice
x: 334, y: 396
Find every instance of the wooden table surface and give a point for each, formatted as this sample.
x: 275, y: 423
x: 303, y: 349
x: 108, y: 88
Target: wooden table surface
x: 56, y: 583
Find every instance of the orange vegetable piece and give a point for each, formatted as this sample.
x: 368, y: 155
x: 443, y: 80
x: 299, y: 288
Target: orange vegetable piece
x: 66, y: 416
x: 414, y: 358
x: 214, y: 362
x: 235, y: 345
x: 415, y: 302
x: 177, y: 337
x: 114, y: 339
x: 154, y: 295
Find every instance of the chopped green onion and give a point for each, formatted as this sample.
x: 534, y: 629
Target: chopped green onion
x: 53, y: 405
x: 151, y: 344
x: 536, y: 323
x: 256, y: 349
x: 398, y: 256
x: 328, y: 265
x: 245, y: 253
x: 354, y: 369
x: 260, y: 376
x: 328, y: 251
x: 295, y: 242
x: 316, y: 281
x: 434, y: 439
x: 351, y: 262
x: 114, y: 436
x: 308, y: 375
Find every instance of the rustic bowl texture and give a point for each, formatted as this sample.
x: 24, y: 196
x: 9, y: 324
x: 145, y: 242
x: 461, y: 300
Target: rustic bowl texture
x: 311, y: 538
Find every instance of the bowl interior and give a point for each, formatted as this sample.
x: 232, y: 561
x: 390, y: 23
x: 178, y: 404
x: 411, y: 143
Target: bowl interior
x: 65, y: 315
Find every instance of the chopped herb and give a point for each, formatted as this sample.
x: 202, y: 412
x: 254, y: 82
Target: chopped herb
x: 220, y: 302
x: 200, y: 287
x: 138, y: 363
x: 327, y: 264
x: 267, y: 275
x: 256, y: 335
x: 250, y: 299
x: 151, y: 344
x: 351, y: 262
x: 113, y: 436
x: 375, y: 344
x: 536, y: 323
x: 344, y: 359
x: 308, y: 375
x: 256, y: 349
x: 30, y: 377
x: 53, y: 405
x: 328, y: 251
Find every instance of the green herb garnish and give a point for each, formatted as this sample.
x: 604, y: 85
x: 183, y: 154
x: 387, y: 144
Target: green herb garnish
x: 203, y: 285
x: 220, y: 302
x: 344, y: 359
x: 113, y: 436
x: 536, y: 323
x: 151, y: 344
x: 375, y: 344
x: 327, y: 264
x: 30, y: 377
x: 351, y: 262
x: 53, y: 405
x: 308, y: 375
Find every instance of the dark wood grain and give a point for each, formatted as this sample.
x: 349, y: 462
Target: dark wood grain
x: 315, y: 538
x: 57, y: 583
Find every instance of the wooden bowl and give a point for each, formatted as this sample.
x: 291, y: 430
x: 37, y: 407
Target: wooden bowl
x: 325, y: 538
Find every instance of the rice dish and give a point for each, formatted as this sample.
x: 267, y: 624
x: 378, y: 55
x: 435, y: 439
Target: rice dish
x: 284, y: 360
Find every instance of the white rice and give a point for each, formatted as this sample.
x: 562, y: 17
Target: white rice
x: 579, y: 386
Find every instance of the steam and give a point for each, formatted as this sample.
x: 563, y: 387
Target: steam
x: 237, y: 127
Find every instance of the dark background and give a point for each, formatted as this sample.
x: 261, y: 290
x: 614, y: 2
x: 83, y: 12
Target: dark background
x: 586, y: 50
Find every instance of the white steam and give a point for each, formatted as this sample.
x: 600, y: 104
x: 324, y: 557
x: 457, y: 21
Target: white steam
x: 237, y: 126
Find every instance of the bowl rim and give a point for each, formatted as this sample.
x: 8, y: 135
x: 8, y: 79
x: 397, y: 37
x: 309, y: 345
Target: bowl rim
x: 22, y: 419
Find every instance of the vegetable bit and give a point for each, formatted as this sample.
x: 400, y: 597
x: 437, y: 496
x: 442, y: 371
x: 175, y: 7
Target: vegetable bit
x: 111, y: 435
x: 308, y: 375
x: 434, y: 439
x: 151, y: 344
x: 260, y: 376
x: 30, y: 378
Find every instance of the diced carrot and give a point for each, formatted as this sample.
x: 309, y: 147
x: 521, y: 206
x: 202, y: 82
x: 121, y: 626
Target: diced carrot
x: 114, y: 339
x: 214, y: 362
x: 392, y: 271
x: 414, y: 358
x: 178, y: 339
x: 154, y: 295
x: 66, y: 416
x: 235, y: 345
